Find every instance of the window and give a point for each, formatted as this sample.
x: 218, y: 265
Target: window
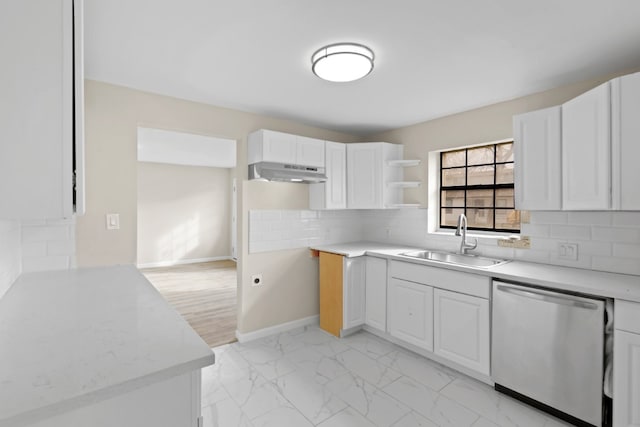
x: 478, y: 182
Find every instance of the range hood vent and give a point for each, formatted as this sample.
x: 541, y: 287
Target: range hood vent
x: 267, y: 171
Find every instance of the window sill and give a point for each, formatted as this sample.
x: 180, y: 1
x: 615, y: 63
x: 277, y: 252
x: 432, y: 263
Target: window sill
x: 475, y: 233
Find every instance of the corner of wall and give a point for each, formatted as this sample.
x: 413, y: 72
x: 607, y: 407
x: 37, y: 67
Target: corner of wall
x: 10, y: 254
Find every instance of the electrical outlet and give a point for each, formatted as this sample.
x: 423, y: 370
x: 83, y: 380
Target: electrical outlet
x: 256, y: 280
x: 568, y: 251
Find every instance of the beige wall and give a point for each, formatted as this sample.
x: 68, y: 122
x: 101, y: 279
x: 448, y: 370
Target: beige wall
x: 487, y: 124
x: 290, y: 277
x: 113, y: 114
x: 184, y: 213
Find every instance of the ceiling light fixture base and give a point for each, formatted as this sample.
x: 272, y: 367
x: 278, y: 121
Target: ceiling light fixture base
x: 342, y: 62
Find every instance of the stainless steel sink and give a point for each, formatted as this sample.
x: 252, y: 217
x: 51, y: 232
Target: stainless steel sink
x: 450, y: 258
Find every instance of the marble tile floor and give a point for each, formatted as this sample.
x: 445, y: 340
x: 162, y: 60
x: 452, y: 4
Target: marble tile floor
x: 307, y: 377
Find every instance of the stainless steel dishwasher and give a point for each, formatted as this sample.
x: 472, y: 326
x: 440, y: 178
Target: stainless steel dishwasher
x: 548, y: 350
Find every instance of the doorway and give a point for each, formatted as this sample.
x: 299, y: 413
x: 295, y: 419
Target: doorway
x: 185, y: 217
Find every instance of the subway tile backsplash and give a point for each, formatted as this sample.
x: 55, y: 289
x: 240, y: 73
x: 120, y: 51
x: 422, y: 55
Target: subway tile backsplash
x: 48, y: 244
x: 607, y: 241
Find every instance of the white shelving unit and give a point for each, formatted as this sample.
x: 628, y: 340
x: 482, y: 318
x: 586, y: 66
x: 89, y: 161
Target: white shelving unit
x: 403, y: 163
x: 404, y: 184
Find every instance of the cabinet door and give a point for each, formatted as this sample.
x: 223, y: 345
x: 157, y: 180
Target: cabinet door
x: 626, y: 381
x: 354, y: 289
x: 336, y: 185
x: 410, y: 312
x: 461, y: 329
x: 279, y: 147
x: 364, y: 176
x: 331, y: 194
x: 586, y: 147
x: 36, y: 112
x: 537, y: 146
x: 625, y: 148
x: 376, y: 293
x: 310, y: 152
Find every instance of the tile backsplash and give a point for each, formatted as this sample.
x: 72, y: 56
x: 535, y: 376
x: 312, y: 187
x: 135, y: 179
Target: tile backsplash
x: 9, y: 254
x: 48, y: 245
x: 607, y: 241
x: 271, y: 230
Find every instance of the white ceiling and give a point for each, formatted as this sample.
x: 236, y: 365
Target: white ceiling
x: 433, y: 57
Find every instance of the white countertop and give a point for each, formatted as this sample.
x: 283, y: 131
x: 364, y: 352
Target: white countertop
x: 609, y: 285
x: 71, y: 338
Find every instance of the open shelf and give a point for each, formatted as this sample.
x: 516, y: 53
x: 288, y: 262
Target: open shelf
x: 403, y: 163
x: 405, y: 184
x: 404, y: 205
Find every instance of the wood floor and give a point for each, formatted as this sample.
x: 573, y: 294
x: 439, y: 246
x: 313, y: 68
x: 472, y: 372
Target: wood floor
x: 204, y: 294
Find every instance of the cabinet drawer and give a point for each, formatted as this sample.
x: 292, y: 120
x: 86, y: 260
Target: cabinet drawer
x: 627, y: 316
x: 443, y: 278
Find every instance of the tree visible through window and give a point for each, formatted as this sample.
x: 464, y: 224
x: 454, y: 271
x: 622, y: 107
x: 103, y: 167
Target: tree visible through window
x: 478, y: 182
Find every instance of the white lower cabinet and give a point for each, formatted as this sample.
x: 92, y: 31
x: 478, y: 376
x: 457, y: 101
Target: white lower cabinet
x: 461, y: 329
x: 411, y: 312
x: 376, y: 293
x: 354, y: 292
x: 626, y: 365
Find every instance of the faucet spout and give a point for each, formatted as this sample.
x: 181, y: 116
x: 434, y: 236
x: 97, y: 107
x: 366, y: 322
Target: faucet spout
x: 461, y: 230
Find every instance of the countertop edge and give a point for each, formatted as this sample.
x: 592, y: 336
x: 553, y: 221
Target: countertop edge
x: 392, y: 252
x: 96, y: 396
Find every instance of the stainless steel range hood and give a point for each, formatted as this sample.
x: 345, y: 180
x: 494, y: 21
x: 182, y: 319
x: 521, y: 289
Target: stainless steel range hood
x: 267, y: 171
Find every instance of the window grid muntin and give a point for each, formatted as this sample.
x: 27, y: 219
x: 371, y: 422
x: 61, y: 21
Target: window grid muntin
x: 465, y: 188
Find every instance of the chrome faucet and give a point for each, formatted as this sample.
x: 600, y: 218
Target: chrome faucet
x: 462, y: 231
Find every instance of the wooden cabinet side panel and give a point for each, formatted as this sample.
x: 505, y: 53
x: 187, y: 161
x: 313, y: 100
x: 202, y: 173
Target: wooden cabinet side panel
x: 331, y: 292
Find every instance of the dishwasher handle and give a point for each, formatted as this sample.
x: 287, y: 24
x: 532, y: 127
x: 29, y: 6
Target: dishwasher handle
x: 549, y: 296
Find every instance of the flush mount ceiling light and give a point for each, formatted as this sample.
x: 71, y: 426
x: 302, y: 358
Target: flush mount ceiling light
x: 342, y: 62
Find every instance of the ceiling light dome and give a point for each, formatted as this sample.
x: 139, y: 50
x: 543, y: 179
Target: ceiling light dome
x: 342, y: 62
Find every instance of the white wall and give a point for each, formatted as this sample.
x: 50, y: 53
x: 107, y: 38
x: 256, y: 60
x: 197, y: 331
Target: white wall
x: 9, y: 254
x: 184, y: 214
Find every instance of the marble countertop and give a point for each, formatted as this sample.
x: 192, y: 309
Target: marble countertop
x: 599, y: 283
x: 71, y: 338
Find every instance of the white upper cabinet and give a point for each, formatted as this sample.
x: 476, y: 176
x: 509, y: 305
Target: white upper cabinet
x: 537, y: 148
x: 331, y: 194
x: 41, y: 113
x: 279, y: 147
x: 586, y: 150
x: 369, y: 175
x: 625, y: 140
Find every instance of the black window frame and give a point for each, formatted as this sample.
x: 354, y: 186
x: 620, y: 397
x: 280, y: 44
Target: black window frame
x: 495, y: 186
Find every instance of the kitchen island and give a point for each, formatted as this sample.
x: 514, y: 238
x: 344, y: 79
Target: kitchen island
x: 96, y: 347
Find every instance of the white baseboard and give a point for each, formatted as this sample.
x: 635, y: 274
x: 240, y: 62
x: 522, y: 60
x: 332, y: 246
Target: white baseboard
x: 272, y: 330
x: 182, y: 262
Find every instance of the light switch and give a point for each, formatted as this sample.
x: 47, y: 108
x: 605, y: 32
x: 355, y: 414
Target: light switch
x: 113, y: 221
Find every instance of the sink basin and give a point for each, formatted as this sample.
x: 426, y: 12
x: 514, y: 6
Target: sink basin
x: 447, y: 257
